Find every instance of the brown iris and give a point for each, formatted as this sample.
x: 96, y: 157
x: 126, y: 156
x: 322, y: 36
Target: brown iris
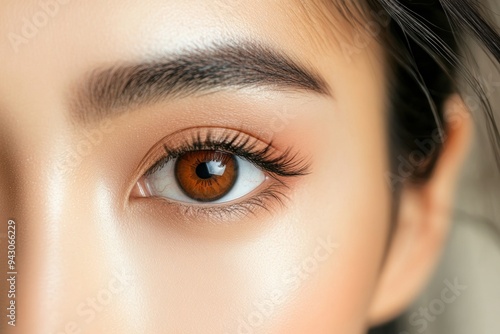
x: 206, y: 175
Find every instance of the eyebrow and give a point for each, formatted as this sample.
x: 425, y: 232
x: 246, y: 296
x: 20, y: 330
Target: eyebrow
x: 108, y: 92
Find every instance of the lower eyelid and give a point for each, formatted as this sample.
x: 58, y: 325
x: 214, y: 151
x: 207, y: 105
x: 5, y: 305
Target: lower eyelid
x: 268, y: 197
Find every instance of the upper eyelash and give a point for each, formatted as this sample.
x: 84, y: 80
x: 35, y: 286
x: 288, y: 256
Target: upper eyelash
x: 285, y: 164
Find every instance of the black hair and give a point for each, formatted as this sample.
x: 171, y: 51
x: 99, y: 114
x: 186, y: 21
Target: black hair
x: 427, y: 46
x: 426, y: 42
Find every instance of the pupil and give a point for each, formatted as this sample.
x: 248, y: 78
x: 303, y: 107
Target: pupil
x: 202, y: 171
x: 206, y: 176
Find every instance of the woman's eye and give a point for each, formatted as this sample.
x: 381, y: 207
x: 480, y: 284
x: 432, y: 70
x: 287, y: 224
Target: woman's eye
x: 205, y: 176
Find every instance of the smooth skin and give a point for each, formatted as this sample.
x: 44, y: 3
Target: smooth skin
x: 93, y: 258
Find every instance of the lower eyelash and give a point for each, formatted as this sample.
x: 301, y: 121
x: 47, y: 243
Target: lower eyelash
x: 266, y: 199
x: 276, y: 164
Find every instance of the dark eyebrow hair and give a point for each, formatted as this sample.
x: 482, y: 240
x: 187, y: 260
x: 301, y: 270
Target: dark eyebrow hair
x: 110, y: 91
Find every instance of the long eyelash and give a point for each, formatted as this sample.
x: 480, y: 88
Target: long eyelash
x: 285, y: 164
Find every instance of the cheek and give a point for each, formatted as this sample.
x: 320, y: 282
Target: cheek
x: 311, y: 268
x: 347, y: 200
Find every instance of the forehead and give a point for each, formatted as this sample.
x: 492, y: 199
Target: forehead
x: 48, y: 45
x: 96, y: 30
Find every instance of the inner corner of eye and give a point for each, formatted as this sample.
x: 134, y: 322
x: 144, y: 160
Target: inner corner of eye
x: 141, y: 188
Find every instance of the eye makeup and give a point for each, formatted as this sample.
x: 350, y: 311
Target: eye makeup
x: 219, y: 172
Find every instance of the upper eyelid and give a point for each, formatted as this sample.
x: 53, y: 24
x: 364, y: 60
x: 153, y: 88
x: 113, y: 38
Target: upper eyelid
x: 168, y: 153
x: 173, y: 154
x: 275, y: 193
x: 266, y: 157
